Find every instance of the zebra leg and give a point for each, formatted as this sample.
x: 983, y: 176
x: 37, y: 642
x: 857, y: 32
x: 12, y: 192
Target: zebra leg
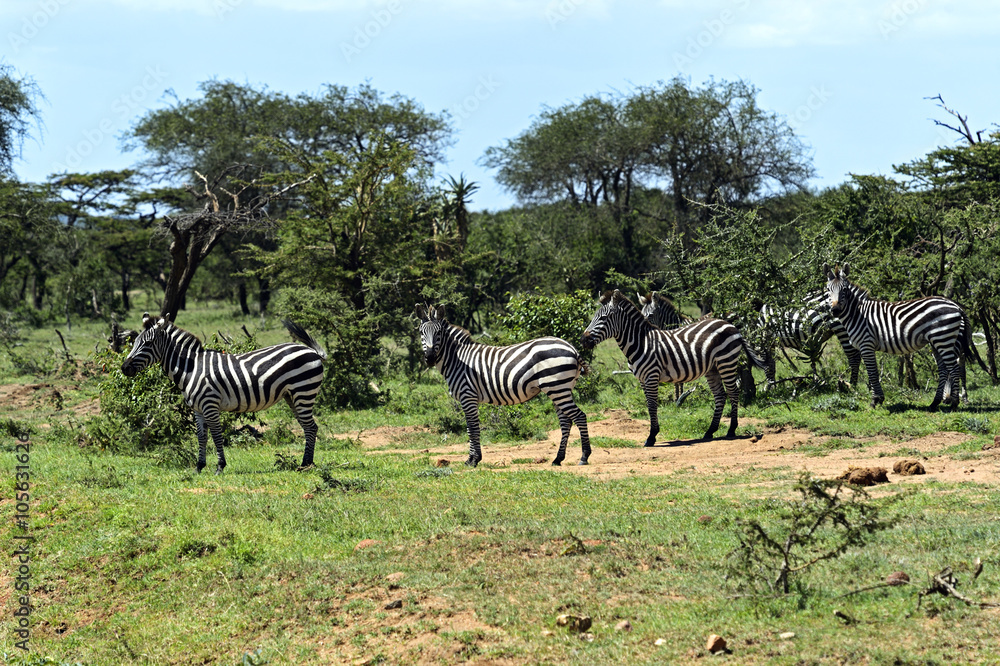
x: 581, y: 424
x: 565, y: 426
x: 715, y: 384
x: 199, y: 420
x: 304, y: 415
x: 944, y: 386
x: 854, y: 363
x: 733, y: 393
x: 878, y: 396
x: 471, y: 408
x: 215, y: 427
x: 651, y: 387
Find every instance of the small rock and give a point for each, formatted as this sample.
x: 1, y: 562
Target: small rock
x: 787, y: 635
x: 577, y: 623
x: 394, y: 578
x: 587, y: 637
x: 393, y: 605
x: 366, y: 543
x: 704, y: 520
x: 548, y: 632
x: 540, y: 460
x: 908, y: 467
x: 624, y: 625
x: 425, y: 450
x: 660, y: 641
x: 715, y: 644
x: 308, y: 496
x: 442, y: 462
x: 897, y: 578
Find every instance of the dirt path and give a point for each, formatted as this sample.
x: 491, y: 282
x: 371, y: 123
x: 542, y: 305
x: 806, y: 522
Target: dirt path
x: 778, y: 448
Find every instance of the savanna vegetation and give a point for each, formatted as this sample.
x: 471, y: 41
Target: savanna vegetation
x: 246, y: 205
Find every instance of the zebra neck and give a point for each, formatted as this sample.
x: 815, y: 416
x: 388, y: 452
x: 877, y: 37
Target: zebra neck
x: 455, y: 338
x: 179, y: 357
x: 633, y: 335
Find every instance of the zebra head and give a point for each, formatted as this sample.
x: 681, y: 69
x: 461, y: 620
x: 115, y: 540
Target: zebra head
x: 607, y: 321
x: 147, y: 349
x: 659, y: 310
x: 432, y: 331
x: 838, y: 289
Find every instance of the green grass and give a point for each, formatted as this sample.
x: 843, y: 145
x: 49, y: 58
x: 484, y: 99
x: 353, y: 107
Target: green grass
x: 137, y: 560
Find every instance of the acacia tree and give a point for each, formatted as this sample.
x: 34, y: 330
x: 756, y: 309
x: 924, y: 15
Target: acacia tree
x: 699, y: 145
x: 17, y: 110
x: 234, y: 124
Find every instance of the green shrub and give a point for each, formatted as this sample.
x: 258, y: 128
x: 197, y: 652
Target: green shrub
x: 535, y: 315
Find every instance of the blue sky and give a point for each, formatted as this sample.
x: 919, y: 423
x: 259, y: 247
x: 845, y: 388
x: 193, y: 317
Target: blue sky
x: 849, y: 75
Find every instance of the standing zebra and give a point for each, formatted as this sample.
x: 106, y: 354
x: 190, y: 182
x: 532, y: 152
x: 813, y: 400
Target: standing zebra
x: 806, y: 329
x: 661, y: 311
x: 902, y: 327
x: 509, y: 375
x: 707, y: 347
x: 214, y: 382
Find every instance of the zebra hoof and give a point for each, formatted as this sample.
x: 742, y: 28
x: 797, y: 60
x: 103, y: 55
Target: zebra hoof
x: 650, y: 442
x: 557, y: 462
x: 471, y: 462
x: 583, y: 461
x: 218, y: 470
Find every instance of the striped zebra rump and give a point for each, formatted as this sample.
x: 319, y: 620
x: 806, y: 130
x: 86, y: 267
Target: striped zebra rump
x: 476, y: 373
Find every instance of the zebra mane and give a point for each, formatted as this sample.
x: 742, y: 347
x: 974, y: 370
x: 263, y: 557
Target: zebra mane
x: 179, y: 335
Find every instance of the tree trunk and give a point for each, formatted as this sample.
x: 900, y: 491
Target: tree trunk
x: 126, y: 284
x: 264, y: 297
x: 241, y: 295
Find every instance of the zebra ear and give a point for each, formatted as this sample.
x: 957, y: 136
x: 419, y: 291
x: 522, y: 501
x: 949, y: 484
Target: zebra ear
x: 147, y: 321
x: 617, y: 295
x: 827, y: 272
x: 643, y: 300
x: 420, y: 312
x: 845, y: 270
x: 438, y: 313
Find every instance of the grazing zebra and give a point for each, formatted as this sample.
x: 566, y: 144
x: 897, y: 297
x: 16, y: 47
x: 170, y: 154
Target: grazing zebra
x: 214, y: 382
x: 661, y: 311
x: 509, y: 375
x: 806, y: 329
x: 707, y: 347
x: 903, y: 327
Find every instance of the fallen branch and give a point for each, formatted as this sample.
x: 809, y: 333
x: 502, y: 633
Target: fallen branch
x: 944, y: 583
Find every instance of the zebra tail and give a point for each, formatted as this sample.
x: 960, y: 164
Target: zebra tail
x: 584, y: 367
x: 969, y: 347
x: 299, y: 335
x: 754, y: 357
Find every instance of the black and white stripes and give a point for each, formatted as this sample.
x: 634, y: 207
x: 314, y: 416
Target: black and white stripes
x: 707, y: 347
x: 214, y: 382
x: 902, y: 327
x: 806, y: 329
x: 478, y: 373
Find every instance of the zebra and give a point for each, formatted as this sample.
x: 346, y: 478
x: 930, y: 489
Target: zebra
x: 806, y: 329
x: 661, y: 311
x: 478, y: 373
x: 708, y: 347
x: 214, y: 382
x: 903, y: 327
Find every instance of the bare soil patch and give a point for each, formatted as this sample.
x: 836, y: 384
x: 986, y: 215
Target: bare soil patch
x: 778, y: 448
